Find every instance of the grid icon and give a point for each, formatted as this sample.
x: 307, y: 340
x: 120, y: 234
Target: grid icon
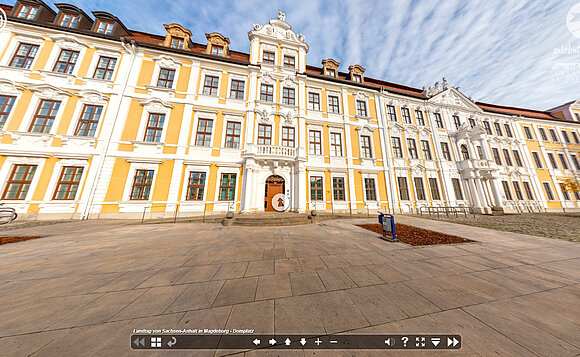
x: 155, y: 341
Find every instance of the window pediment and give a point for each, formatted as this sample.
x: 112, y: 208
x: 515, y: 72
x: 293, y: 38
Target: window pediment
x: 177, y: 31
x: 217, y: 40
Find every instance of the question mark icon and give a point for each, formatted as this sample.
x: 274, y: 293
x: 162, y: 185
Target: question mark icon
x: 405, y: 340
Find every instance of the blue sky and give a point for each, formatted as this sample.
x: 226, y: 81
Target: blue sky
x: 498, y: 51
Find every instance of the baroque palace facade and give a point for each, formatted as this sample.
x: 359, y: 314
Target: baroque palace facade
x: 97, y: 120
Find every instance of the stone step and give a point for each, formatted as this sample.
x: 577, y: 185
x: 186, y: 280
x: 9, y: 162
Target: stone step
x: 270, y: 220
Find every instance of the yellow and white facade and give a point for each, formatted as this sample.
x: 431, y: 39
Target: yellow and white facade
x: 100, y: 121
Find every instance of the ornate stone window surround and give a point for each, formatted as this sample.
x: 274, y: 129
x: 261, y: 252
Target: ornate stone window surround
x: 366, y: 130
x: 164, y: 62
x: 360, y: 96
x: 370, y: 175
x: 232, y: 117
x: 139, y: 165
x: 194, y: 167
x: 152, y: 106
x: 208, y: 71
x: 65, y: 42
x: 235, y: 76
x: 203, y: 114
x: 9, y: 88
x: 8, y: 166
x: 337, y: 129
x: 288, y: 120
x: 228, y: 169
x: 48, y: 195
x: 287, y: 51
x: 337, y: 94
x: 88, y: 97
x: 44, y: 92
x: 269, y: 47
x: 314, y: 90
x: 269, y: 80
x: 30, y: 38
x: 95, y: 61
x: 290, y: 82
x: 315, y: 126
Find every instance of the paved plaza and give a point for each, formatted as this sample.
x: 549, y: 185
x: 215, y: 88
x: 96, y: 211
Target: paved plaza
x: 81, y: 290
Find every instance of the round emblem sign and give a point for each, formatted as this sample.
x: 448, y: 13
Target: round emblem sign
x: 280, y: 202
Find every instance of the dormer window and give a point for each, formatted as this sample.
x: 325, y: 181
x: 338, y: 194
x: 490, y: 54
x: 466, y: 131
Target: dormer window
x: 330, y: 67
x: 28, y: 12
x: 69, y: 20
x: 357, y: 78
x: 176, y: 42
x: 268, y: 57
x: 217, y: 50
x: 331, y: 73
x: 289, y: 62
x: 105, y: 28
x: 356, y: 73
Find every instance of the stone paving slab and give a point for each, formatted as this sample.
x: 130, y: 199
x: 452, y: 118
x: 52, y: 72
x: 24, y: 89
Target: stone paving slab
x: 507, y: 293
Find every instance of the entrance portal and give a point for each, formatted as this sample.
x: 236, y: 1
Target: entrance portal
x: 274, y: 185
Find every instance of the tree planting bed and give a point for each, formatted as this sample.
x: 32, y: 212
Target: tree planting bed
x: 416, y: 236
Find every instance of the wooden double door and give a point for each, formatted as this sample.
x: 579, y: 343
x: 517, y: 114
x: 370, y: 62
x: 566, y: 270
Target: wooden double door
x: 274, y: 186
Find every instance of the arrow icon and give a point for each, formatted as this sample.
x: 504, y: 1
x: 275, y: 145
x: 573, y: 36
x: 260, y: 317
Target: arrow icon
x: 139, y: 342
x: 256, y: 342
x: 272, y: 341
x: 302, y: 341
x: 452, y: 342
x: 435, y: 341
x: 287, y: 342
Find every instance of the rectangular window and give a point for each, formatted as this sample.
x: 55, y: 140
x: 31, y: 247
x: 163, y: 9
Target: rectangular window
x: 487, y: 127
x: 370, y: 190
x: 105, y: 28
x: 397, y: 151
x: 537, y: 160
x: 543, y: 134
x: 89, y: 120
x: 195, y: 186
x: 210, y: 85
x: 330, y: 73
x: 575, y: 137
x: 69, y: 20
x: 217, y: 50
x: 426, y: 150
x: 456, y: 121
x: 19, y: 182
x: 471, y: 122
x: 480, y: 153
x: 338, y: 188
x: 361, y: 108
x: 412, y: 147
x: 105, y: 68
x: 166, y: 77
x: 506, y: 190
x: 552, y: 159
x: 434, y: 189
x: 528, y: 133
x: 66, y: 61
x: 203, y: 136
x: 508, y: 130
x: 154, y: 127
x: 228, y: 187
x: 575, y: 162
x: 563, y: 161
x: 44, y: 117
x: 564, y: 192
x: 288, y: 136
x: 289, y: 96
x: 289, y: 62
x: 497, y: 129
x: 314, y: 101
x: 24, y: 56
x: 508, y: 159
x: 6, y: 104
x: 406, y: 115
x: 237, y: 90
x: 357, y: 78
x: 333, y: 106
x: 366, y: 149
x: 419, y: 189
x: 403, y: 188
x: 548, y: 190
x: 420, y: 118
x: 517, y: 158
x: 314, y: 143
x: 267, y: 92
x: 142, y: 185
x: 438, y: 120
x: 177, y: 42
x: 528, y: 190
x: 27, y: 12
x: 565, y: 136
x: 445, y: 150
x: 496, y: 157
x: 391, y: 113
x: 264, y: 134
x: 68, y: 183
x: 517, y: 190
x: 268, y: 58
x: 457, y: 188
x: 554, y: 136
x: 233, y: 132
x: 335, y: 144
x: 316, y: 188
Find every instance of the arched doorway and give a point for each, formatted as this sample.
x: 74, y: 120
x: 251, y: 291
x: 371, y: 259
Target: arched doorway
x: 274, y: 185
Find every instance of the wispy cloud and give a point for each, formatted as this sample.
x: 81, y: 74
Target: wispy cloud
x: 498, y: 51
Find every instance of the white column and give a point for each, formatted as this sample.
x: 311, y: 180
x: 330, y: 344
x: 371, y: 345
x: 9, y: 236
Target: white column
x: 302, y: 191
x: 496, y: 193
x: 481, y: 190
x: 474, y: 195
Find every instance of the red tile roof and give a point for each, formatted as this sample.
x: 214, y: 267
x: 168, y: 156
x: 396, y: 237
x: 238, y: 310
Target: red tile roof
x: 492, y: 108
x: 7, y: 8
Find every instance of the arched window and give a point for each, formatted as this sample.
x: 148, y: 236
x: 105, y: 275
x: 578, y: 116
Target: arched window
x: 464, y: 152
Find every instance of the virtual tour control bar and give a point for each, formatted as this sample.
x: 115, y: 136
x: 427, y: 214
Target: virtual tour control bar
x: 236, y: 342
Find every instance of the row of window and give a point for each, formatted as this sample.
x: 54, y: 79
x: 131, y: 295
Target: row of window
x: 20, y: 179
x: 338, y: 189
x: 517, y: 190
x: 29, y: 12
x: 66, y: 61
x: 553, y: 163
x: 553, y: 135
x: 269, y: 58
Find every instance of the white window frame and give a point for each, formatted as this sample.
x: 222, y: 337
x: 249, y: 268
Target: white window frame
x: 334, y: 175
x: 211, y: 72
x: 266, y: 47
x: 153, y: 106
x: 56, y: 173
x: 31, y: 111
x: 314, y: 91
x: 235, y: 76
x: 342, y: 146
x: 131, y: 177
x: 330, y: 93
x: 7, y: 168
x: 289, y: 125
x: 89, y: 97
x: 377, y: 195
x: 61, y: 45
x: 227, y: 170
x: 13, y: 46
x: 15, y: 91
x: 195, y: 168
x: 231, y: 118
x: 321, y: 130
x: 321, y: 174
x: 196, y: 118
x: 95, y: 61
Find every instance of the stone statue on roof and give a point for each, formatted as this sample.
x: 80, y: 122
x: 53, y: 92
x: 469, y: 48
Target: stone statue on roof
x: 281, y: 15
